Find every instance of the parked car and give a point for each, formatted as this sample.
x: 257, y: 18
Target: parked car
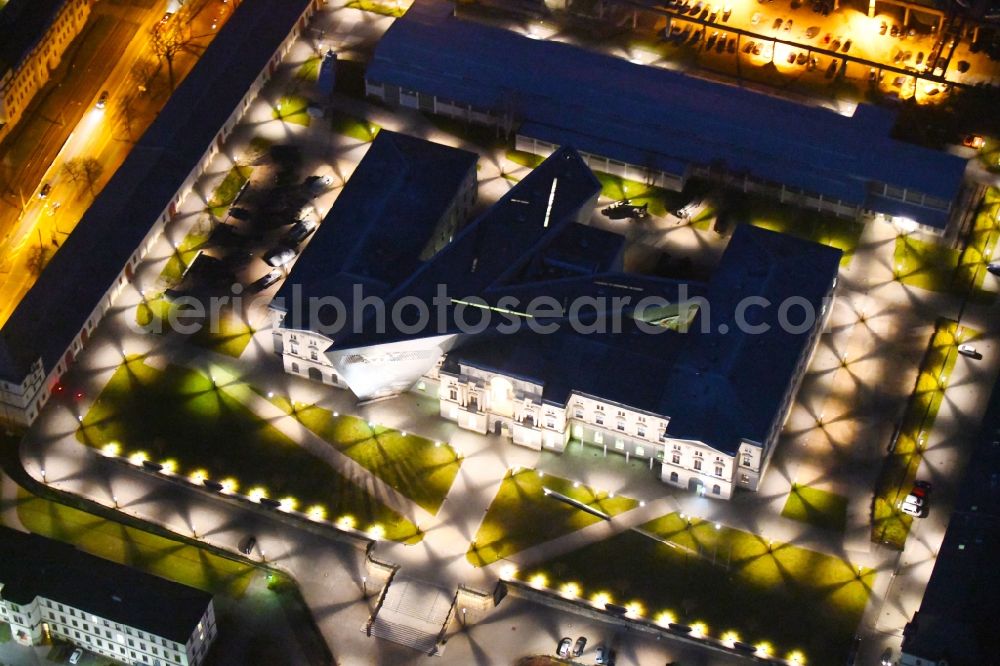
x: 44, y: 192
x: 239, y: 213
x: 562, y: 649
x: 812, y: 31
x: 911, y: 509
x: 777, y: 23
x: 970, y: 351
x: 847, y: 46
x: 76, y: 656
x: 247, y: 544
x: 319, y: 184
x: 102, y: 101
x: 265, y: 281
x: 602, y: 656
x: 994, y: 268
x: 914, y: 500
x: 299, y: 232
x: 788, y: 25
x: 625, y: 209
x: 921, y: 489
x: 279, y: 256
x: 578, y: 648
x: 755, y: 19
x: 886, y: 658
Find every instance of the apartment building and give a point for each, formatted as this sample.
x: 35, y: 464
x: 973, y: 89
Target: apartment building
x: 33, y: 36
x: 51, y: 590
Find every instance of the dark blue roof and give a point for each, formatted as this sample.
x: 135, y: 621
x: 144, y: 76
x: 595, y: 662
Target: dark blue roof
x: 34, y: 566
x: 499, y: 245
x: 716, y: 387
x: 652, y: 116
x: 55, y: 309
x: 382, y: 219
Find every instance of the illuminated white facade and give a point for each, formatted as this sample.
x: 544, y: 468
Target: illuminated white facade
x: 48, y: 618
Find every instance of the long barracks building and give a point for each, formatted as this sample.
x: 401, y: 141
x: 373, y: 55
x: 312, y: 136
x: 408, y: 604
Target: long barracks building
x: 678, y: 372
x: 658, y: 126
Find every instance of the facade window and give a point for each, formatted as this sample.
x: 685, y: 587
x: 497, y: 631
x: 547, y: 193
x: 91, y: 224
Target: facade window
x: 599, y: 419
x: 598, y: 438
x: 578, y: 413
x: 313, y: 355
x: 673, y: 477
x: 453, y: 393
x: 551, y: 425
x: 718, y: 470
x: 744, y: 478
x: 619, y: 445
x: 621, y: 426
x: 641, y: 432
x: 747, y: 459
x: 676, y: 459
x: 697, y: 464
x: 295, y: 367
x: 716, y: 489
x: 639, y: 451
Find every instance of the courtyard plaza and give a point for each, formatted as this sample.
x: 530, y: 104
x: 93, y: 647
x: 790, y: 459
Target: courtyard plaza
x: 875, y: 316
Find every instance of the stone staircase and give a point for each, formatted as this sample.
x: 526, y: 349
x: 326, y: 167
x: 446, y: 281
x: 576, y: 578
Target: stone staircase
x: 412, y: 613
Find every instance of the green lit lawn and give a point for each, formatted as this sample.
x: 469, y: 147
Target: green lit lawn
x: 178, y: 414
x: 292, y: 109
x: 900, y: 467
x: 794, y: 598
x: 227, y: 191
x: 521, y: 516
x: 825, y: 228
x: 922, y: 264
x: 412, y: 465
x: 182, y: 257
x: 309, y: 70
x: 231, y: 337
x: 152, y: 314
x: 356, y: 128
x: 979, y: 252
x: 387, y: 8
x: 816, y: 507
x: 126, y: 545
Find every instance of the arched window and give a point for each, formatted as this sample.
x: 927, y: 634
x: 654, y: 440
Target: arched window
x: 716, y: 489
x: 673, y: 477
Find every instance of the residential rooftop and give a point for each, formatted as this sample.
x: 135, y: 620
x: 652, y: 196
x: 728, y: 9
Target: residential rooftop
x: 34, y: 566
x: 654, y: 117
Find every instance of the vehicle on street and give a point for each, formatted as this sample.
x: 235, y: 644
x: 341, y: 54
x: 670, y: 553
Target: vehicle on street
x: 299, y: 232
x: 689, y: 208
x: 266, y: 280
x: 562, y: 649
x: 801, y: 59
x: 279, y: 256
x: 696, y: 8
x: 102, y: 101
x: 994, y: 268
x: 886, y: 658
x: 76, y: 656
x: 913, y: 499
x: 826, y: 38
x: 726, y: 13
x: 835, y: 45
x: 920, y: 57
x: 247, y: 544
x: 166, y: 17
x: 238, y: 259
x: 731, y: 45
x: 791, y: 58
x: 831, y: 70
x: 812, y: 31
x: 777, y: 23
x: 963, y: 66
x: 625, y: 209
x: 748, y: 47
x: 755, y: 19
x: 44, y: 192
x: 239, y: 213
x: 788, y: 25
x: 578, y: 648
x: 601, y: 657
x: 319, y: 184
x: 894, y: 31
x: 921, y: 489
x: 847, y: 46
x: 912, y: 509
x: 883, y: 28
x: 970, y: 351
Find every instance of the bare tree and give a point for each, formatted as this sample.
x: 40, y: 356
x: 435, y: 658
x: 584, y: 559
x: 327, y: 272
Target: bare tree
x: 39, y: 259
x: 143, y: 72
x: 86, y: 170
x: 167, y: 40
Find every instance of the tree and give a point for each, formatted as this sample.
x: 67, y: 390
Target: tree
x: 86, y: 170
x: 39, y: 259
x: 167, y: 40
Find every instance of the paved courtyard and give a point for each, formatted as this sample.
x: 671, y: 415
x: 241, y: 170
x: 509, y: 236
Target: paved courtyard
x: 857, y: 385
